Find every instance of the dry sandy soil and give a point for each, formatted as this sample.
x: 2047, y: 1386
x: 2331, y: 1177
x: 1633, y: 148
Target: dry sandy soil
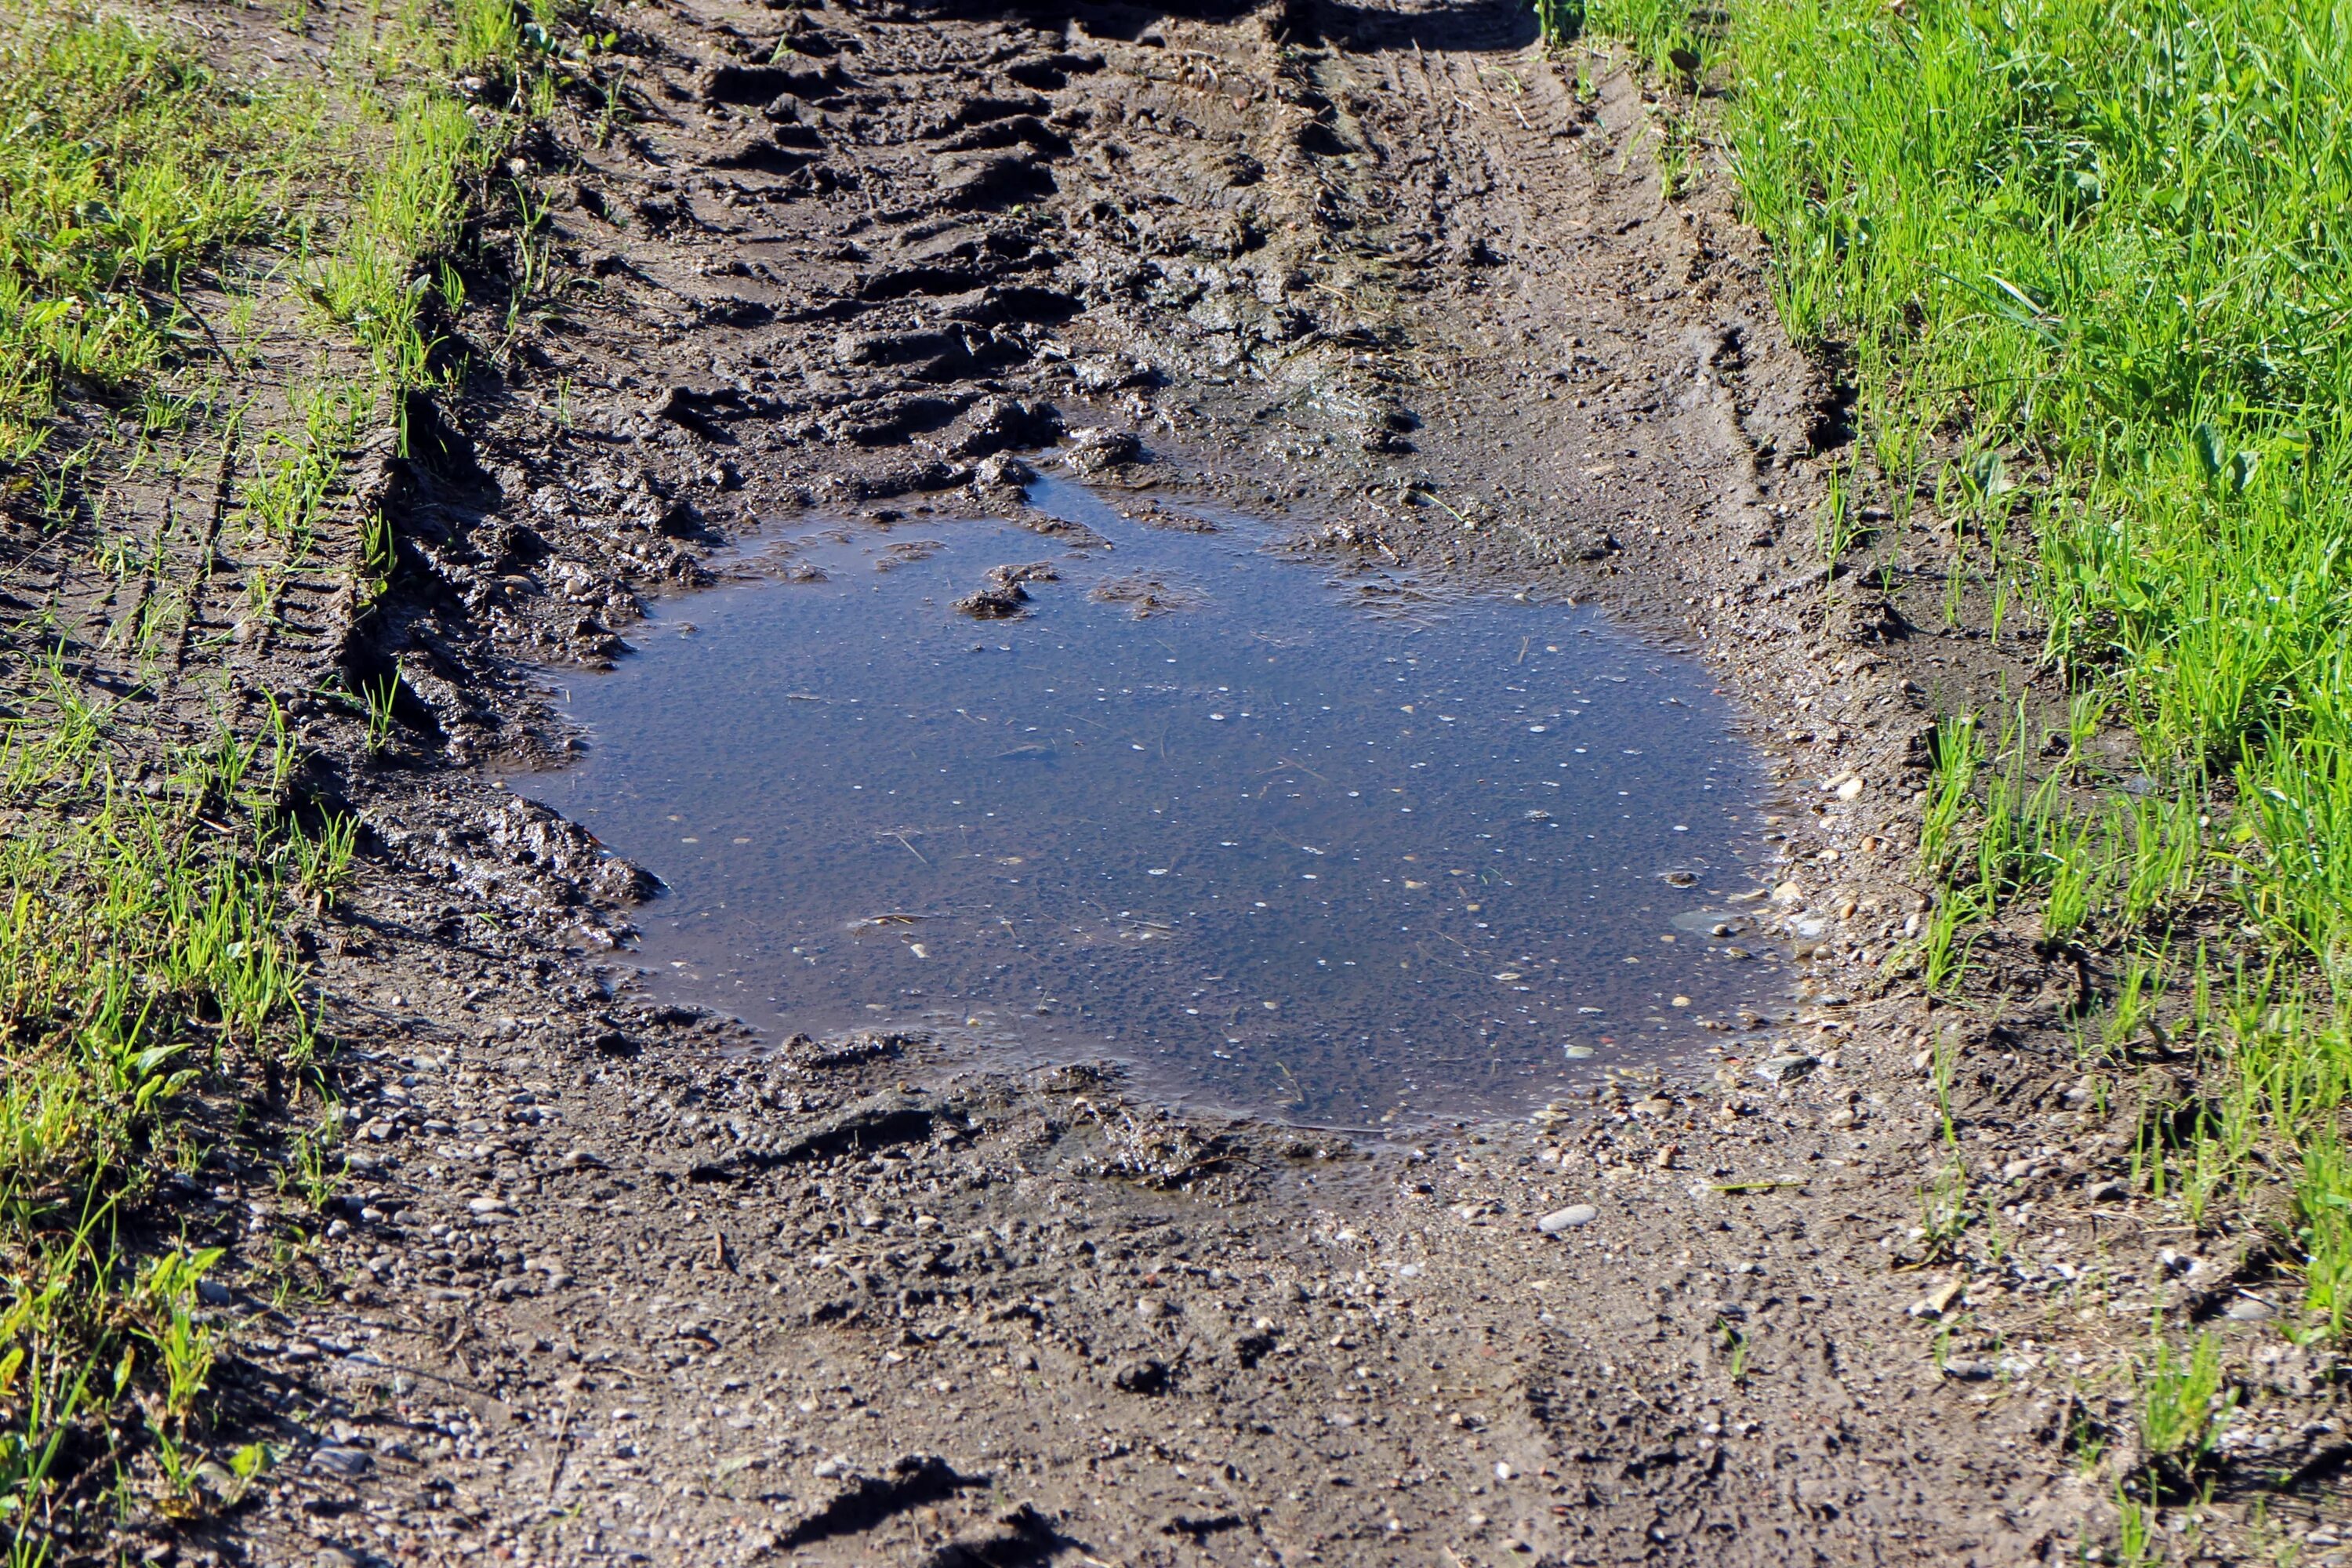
x: 615, y: 1282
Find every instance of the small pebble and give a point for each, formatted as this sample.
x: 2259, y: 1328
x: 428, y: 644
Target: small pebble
x: 349, y: 1463
x: 1568, y: 1218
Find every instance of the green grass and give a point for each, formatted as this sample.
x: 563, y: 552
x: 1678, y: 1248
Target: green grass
x: 124, y: 161
x: 147, y: 949
x: 163, y: 220
x: 129, y: 166
x: 2089, y: 266
x: 2090, y: 262
x: 381, y: 282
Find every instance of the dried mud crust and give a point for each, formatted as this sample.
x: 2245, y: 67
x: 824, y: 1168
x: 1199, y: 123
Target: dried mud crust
x: 615, y: 1282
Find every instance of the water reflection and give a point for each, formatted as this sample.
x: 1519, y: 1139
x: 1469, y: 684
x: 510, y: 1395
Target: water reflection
x: 1331, y: 847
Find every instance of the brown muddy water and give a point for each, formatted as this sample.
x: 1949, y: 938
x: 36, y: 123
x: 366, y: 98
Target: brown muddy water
x: 1325, y: 845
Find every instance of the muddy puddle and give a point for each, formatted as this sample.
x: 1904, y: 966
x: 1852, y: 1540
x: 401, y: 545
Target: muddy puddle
x: 1327, y: 846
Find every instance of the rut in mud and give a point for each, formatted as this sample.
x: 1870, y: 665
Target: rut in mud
x: 612, y: 1285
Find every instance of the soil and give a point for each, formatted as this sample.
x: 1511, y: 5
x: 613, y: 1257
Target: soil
x: 613, y: 1281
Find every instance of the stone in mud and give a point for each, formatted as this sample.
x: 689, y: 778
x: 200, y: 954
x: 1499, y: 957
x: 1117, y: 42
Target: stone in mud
x: 1091, y: 451
x: 969, y: 180
x: 1001, y: 472
x: 999, y: 602
x: 1145, y: 1376
x: 335, y: 1461
x: 993, y: 424
x: 1939, y: 1301
x: 617, y: 884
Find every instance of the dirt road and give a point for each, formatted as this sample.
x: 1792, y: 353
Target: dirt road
x: 609, y: 1286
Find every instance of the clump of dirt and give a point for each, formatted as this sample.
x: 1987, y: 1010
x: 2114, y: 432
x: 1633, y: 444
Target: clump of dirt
x: 997, y: 601
x: 614, y: 1281
x: 1005, y: 596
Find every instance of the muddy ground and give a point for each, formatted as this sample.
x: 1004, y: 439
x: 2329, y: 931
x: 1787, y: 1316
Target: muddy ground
x: 613, y: 1281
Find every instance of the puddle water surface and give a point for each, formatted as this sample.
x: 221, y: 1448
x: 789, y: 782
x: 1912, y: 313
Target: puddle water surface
x: 1326, y: 845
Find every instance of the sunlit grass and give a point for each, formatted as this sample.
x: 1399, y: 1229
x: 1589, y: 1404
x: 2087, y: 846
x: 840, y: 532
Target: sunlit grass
x: 2104, y: 244
x: 2109, y: 239
x: 160, y: 216
x: 124, y: 161
x: 147, y: 949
